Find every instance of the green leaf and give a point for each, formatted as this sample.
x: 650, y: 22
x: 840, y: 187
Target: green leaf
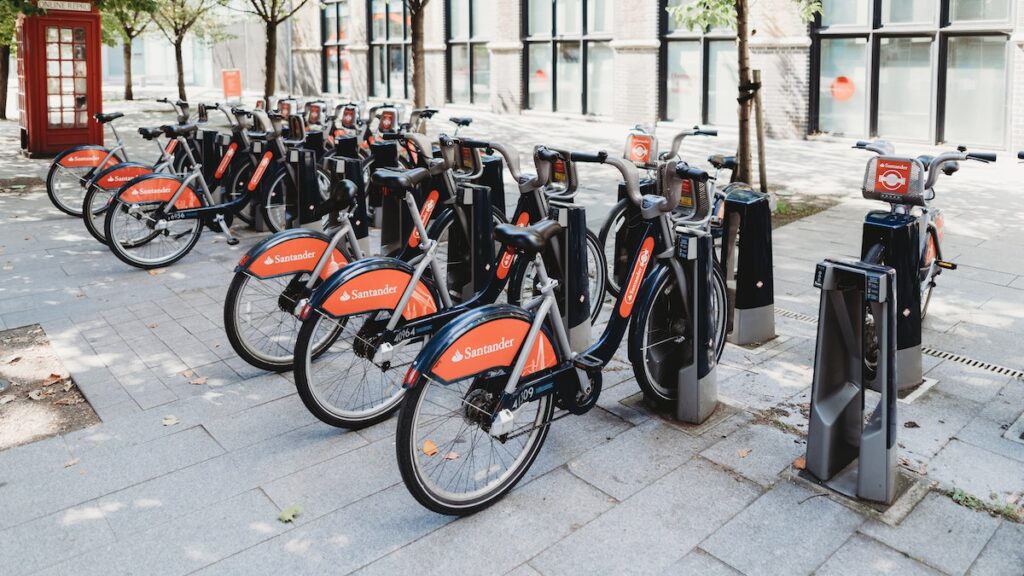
x: 288, y: 514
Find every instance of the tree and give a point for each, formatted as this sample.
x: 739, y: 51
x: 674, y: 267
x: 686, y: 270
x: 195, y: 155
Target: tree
x: 125, y: 20
x: 419, y: 70
x: 176, y: 18
x: 272, y: 13
x: 705, y: 14
x: 10, y: 10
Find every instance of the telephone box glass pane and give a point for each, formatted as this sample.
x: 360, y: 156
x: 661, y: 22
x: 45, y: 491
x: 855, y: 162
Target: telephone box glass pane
x: 55, y: 118
x: 80, y: 85
x: 52, y: 34
x: 65, y: 51
x: 52, y: 51
x: 53, y: 68
x: 79, y: 51
x: 65, y: 35
x: 79, y: 34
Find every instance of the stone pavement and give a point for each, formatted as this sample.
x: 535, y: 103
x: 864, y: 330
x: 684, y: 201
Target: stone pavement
x: 620, y: 490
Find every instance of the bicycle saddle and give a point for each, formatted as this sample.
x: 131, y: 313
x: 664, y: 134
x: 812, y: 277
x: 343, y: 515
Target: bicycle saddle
x: 531, y: 238
x: 175, y: 130
x: 394, y: 179
x: 150, y: 133
x: 104, y: 118
x: 463, y: 121
x: 722, y: 162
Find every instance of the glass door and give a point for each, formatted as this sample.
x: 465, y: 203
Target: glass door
x: 67, y: 100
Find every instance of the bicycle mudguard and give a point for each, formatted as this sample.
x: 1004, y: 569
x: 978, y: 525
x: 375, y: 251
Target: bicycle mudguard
x: 158, y: 188
x: 374, y: 284
x: 291, y: 252
x: 484, y: 339
x: 86, y: 155
x: 118, y: 175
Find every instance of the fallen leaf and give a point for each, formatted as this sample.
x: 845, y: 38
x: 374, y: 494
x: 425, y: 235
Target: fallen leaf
x: 6, y: 398
x: 288, y: 514
x: 36, y: 394
x: 70, y: 401
x: 911, y: 424
x: 157, y: 271
x: 71, y: 463
x: 68, y: 385
x: 800, y: 463
x: 429, y: 448
x: 52, y: 379
x: 187, y: 373
x: 14, y: 360
x: 170, y: 420
x: 743, y: 452
x: 153, y: 325
x: 451, y: 456
x: 199, y: 381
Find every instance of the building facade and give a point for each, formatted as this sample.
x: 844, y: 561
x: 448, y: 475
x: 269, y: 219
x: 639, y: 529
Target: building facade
x: 927, y: 71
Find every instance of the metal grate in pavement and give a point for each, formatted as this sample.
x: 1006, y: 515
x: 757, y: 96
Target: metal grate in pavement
x: 933, y: 352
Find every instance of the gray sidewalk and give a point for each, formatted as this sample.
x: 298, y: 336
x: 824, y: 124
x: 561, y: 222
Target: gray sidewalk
x: 619, y: 490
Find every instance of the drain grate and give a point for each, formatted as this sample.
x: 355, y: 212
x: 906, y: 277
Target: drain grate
x: 941, y: 354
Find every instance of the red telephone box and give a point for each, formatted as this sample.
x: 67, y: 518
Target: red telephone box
x: 59, y: 77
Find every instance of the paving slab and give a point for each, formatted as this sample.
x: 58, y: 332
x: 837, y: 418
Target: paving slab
x: 979, y: 472
x: 789, y: 530
x: 700, y: 562
x: 39, y: 543
x: 1004, y: 553
x: 634, y: 459
x: 758, y: 453
x: 939, y: 533
x: 862, y: 556
x: 655, y: 527
x: 566, y: 504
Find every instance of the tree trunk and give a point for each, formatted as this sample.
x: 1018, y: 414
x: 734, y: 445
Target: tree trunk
x: 5, y: 71
x: 180, y: 62
x: 126, y: 52
x: 270, y: 63
x: 742, y: 35
x: 419, y: 69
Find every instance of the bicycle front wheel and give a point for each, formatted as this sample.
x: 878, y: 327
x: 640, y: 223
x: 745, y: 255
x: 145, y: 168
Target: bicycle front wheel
x: 448, y: 459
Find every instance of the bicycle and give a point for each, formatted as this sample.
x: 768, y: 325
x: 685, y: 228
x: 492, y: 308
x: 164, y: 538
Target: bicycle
x: 385, y: 308
x: 492, y: 378
x: 72, y: 169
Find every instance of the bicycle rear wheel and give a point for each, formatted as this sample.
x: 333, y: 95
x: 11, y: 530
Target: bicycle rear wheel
x: 136, y: 238
x: 66, y: 187
x: 449, y: 461
x: 610, y: 229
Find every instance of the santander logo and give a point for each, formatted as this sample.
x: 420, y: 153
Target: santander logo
x: 355, y: 294
x: 286, y: 258
x: 476, y: 352
x: 165, y: 189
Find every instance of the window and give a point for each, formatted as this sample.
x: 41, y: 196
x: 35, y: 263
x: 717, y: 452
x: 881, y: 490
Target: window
x: 569, y: 57
x: 337, y: 70
x: 925, y: 70
x: 700, y: 73
x: 389, y: 48
x: 469, y: 61
x: 65, y: 77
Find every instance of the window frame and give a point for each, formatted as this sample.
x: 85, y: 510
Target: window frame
x: 385, y: 45
x: 941, y: 30
x: 583, y: 39
x: 339, y: 44
x: 703, y: 38
x: 471, y: 41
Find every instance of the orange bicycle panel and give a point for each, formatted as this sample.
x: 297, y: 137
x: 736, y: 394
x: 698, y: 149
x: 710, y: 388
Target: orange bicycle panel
x: 88, y: 157
x: 160, y: 189
x: 380, y: 289
x: 491, y: 345
x: 636, y: 277
x: 510, y: 254
x: 260, y: 169
x: 425, y: 212
x: 225, y: 161
x: 294, y: 256
x: 120, y: 176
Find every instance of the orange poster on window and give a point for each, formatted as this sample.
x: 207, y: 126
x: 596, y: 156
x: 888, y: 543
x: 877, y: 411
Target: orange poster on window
x: 232, y: 80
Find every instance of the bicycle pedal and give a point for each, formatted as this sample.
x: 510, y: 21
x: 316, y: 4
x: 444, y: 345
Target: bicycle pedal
x: 945, y: 265
x: 588, y: 363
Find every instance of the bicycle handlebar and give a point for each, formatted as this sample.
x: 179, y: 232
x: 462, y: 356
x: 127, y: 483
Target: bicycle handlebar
x: 962, y: 154
x: 598, y: 158
x: 982, y: 156
x: 880, y: 147
x: 677, y: 140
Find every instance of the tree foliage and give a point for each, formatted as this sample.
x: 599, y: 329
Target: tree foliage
x: 705, y: 14
x: 125, y: 20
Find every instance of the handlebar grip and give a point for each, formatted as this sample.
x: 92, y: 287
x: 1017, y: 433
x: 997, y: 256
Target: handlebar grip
x: 472, y: 143
x: 708, y: 132
x: 391, y: 136
x: 1020, y: 155
x: 684, y: 170
x: 983, y: 156
x: 547, y: 155
x: 598, y: 158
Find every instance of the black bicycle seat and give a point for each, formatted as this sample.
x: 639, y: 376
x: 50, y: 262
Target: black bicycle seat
x: 175, y: 130
x: 721, y: 162
x: 396, y: 180
x: 150, y: 133
x: 463, y: 121
x: 104, y: 118
x: 344, y: 194
x: 531, y: 238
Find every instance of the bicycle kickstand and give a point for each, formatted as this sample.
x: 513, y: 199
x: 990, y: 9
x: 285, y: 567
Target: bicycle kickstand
x: 219, y: 219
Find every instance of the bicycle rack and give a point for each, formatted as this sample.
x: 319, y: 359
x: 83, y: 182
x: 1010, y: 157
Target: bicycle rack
x: 387, y: 206
x: 838, y: 432
x: 901, y: 236
x: 570, y: 246
x: 697, y: 379
x: 494, y: 178
x: 746, y: 259
x: 473, y: 270
x: 302, y: 208
x: 211, y: 144
x: 346, y: 146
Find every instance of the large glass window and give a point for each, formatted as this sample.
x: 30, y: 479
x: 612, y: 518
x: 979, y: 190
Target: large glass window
x: 389, y: 48
x: 701, y: 73
x: 928, y: 70
x: 469, y: 28
x: 337, y: 76
x: 569, y: 57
